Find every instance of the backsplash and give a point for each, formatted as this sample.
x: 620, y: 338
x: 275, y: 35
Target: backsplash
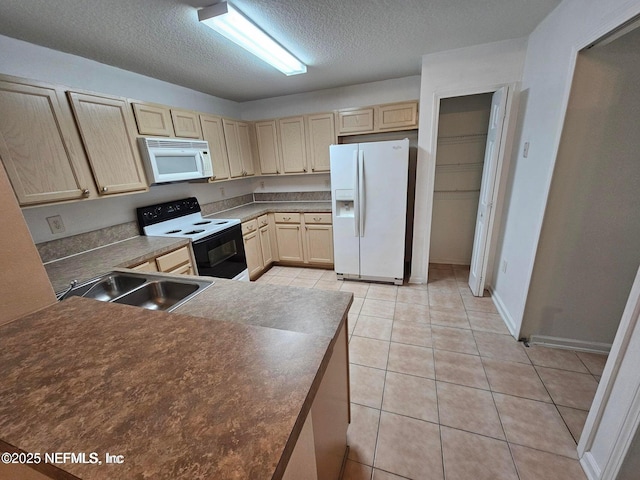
x: 293, y: 197
x: 82, y: 242
x: 86, y: 241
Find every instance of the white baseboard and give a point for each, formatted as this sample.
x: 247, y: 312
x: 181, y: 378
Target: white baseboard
x: 504, y: 313
x: 590, y: 467
x: 570, y: 344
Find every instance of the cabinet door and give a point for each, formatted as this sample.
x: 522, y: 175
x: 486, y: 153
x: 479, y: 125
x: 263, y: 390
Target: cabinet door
x: 321, y: 134
x: 265, y: 243
x: 253, y: 252
x: 153, y: 119
x: 319, y: 243
x: 289, y: 239
x: 173, y: 260
x: 39, y: 146
x: 213, y: 133
x: 293, y: 145
x: 268, y: 152
x: 232, y: 142
x: 397, y: 116
x: 109, y: 135
x: 355, y: 121
x: 186, y: 124
x: 246, y: 148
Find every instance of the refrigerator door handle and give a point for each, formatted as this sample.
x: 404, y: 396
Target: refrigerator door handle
x: 356, y: 195
x: 361, y: 193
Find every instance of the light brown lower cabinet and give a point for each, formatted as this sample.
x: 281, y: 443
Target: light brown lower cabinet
x: 179, y: 261
x: 256, y: 235
x: 305, y: 238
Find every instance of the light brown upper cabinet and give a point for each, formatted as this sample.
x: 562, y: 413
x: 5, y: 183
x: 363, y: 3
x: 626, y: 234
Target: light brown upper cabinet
x: 293, y: 145
x: 237, y: 138
x: 358, y: 120
x: 397, y: 116
x: 213, y: 133
x: 268, y: 149
x: 246, y: 147
x: 108, y: 131
x: 321, y: 134
x: 153, y: 119
x: 186, y: 124
x: 378, y: 118
x: 39, y: 145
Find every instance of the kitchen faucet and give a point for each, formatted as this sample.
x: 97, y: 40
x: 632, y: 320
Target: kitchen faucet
x: 62, y: 295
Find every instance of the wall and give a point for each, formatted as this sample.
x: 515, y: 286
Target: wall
x: 546, y: 84
x: 588, y: 250
x: 387, y: 91
x: 465, y: 71
x: 24, y: 285
x: 31, y: 61
x: 462, y: 137
x: 27, y: 60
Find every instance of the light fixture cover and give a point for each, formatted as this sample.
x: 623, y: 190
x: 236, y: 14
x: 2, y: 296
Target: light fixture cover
x: 229, y: 22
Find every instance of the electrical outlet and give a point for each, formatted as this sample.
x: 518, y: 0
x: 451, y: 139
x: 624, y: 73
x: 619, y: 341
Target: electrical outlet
x: 262, y: 185
x: 56, y: 224
x: 525, y: 150
x: 222, y: 191
x: 504, y: 266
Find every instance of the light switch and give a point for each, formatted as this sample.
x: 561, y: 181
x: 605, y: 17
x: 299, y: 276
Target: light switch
x: 525, y: 150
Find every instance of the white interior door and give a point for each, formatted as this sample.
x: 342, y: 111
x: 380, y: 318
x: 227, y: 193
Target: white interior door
x: 484, y: 218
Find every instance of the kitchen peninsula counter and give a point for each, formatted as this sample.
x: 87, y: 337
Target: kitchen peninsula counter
x: 207, y: 391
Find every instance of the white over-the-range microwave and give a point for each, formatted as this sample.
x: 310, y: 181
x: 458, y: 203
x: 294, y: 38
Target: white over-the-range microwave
x: 175, y: 160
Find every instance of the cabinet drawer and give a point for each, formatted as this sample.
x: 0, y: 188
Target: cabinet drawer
x: 186, y: 269
x: 149, y: 266
x: 263, y: 220
x: 287, y: 217
x: 173, y: 259
x: 310, y: 218
x: 250, y: 226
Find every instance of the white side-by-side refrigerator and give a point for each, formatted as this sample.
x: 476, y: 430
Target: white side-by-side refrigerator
x: 369, y: 206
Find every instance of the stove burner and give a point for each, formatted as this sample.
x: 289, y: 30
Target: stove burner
x: 173, y: 231
x: 193, y: 232
x: 204, y: 222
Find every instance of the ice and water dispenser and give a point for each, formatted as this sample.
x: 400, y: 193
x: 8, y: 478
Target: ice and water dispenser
x: 344, y: 203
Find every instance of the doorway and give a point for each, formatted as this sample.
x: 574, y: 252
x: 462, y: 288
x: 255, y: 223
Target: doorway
x: 463, y: 123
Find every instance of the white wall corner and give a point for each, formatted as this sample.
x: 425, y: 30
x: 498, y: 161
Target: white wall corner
x: 504, y: 313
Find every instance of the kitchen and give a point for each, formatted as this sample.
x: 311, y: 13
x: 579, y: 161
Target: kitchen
x: 29, y: 61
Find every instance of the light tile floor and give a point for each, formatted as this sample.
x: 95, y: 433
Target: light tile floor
x: 440, y: 390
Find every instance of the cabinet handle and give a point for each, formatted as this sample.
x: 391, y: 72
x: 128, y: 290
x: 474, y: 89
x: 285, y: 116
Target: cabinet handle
x: 313, y: 169
x: 298, y: 227
x: 317, y: 219
x: 105, y: 189
x: 306, y: 228
x: 286, y: 219
x: 304, y: 169
x: 85, y: 192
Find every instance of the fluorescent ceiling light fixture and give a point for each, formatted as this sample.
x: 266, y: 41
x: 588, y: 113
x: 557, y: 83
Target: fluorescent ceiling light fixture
x: 226, y: 20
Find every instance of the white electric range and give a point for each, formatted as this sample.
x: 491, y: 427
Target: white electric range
x: 217, y: 243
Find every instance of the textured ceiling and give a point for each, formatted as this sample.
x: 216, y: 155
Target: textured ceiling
x: 343, y: 42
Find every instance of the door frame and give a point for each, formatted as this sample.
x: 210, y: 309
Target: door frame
x: 505, y: 145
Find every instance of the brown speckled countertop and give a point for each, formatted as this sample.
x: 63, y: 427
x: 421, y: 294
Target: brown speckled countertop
x: 253, y: 210
x: 304, y: 310
x: 179, y: 396
x: 92, y: 263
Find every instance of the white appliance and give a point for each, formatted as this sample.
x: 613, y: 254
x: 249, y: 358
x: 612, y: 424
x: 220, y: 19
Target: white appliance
x: 175, y: 160
x: 217, y: 243
x: 369, y: 207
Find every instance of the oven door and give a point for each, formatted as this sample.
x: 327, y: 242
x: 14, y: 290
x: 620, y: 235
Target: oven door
x: 221, y: 254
